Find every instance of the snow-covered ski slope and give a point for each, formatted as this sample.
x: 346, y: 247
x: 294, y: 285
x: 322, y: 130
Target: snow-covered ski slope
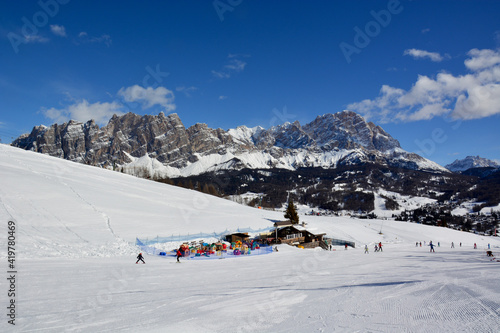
x: 76, y: 271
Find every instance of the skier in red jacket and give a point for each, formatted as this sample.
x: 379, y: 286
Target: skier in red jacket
x: 179, y: 254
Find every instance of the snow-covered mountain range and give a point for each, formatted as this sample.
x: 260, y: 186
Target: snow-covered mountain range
x: 471, y: 162
x: 163, y: 146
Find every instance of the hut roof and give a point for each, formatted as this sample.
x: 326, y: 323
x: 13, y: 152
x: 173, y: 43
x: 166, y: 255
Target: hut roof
x: 283, y: 224
x: 239, y: 234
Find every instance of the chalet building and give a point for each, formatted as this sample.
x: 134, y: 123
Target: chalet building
x: 298, y: 234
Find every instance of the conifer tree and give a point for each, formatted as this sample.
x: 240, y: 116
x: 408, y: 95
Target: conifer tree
x: 291, y: 213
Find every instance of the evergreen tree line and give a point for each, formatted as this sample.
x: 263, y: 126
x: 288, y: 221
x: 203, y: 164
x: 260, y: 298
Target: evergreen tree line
x: 338, y: 189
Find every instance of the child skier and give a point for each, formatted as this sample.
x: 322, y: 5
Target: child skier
x: 179, y: 254
x: 366, y: 248
x: 140, y: 258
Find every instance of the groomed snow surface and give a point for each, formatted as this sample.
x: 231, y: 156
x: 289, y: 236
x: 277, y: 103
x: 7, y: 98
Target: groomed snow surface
x: 76, y: 271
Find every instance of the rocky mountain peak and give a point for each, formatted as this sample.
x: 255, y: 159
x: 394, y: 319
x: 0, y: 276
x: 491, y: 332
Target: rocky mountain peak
x: 471, y: 162
x: 165, y: 138
x: 347, y: 130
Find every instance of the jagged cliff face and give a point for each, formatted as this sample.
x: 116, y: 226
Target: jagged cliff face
x: 330, y: 140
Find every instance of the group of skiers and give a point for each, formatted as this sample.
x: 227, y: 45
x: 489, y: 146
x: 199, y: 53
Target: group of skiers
x: 439, y: 244
x: 378, y: 248
x: 141, y: 258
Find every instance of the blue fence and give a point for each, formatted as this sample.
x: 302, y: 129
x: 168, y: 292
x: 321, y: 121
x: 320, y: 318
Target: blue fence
x: 341, y: 242
x: 146, y: 248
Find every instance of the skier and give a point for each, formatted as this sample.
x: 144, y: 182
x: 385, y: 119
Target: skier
x: 475, y: 246
x: 366, y: 248
x: 380, y: 246
x: 140, y: 258
x: 376, y: 248
x: 432, y: 247
x: 420, y: 244
x: 346, y: 246
x: 416, y: 244
x: 179, y: 254
x: 460, y: 244
x: 452, y: 245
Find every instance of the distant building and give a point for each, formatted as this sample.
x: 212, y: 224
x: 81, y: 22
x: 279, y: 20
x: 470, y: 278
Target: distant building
x: 237, y: 236
x: 298, y: 234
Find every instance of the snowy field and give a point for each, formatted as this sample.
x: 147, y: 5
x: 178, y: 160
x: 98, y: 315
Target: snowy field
x: 75, y: 228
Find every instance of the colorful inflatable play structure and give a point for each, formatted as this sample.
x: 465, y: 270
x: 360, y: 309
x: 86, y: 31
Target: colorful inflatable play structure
x: 217, y: 250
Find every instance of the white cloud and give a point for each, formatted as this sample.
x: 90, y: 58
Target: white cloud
x: 471, y: 96
x: 58, y: 30
x: 101, y: 112
x: 186, y: 90
x: 104, y: 38
x: 84, y: 111
x: 418, y: 54
x: 221, y: 75
x: 426, y: 30
x: 481, y: 59
x: 233, y: 66
x: 222, y: 97
x: 149, y: 97
x: 35, y: 39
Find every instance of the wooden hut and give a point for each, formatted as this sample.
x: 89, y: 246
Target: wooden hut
x: 237, y: 236
x: 296, y: 234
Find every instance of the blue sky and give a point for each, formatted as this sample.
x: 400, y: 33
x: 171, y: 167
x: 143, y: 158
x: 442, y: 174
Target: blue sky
x: 428, y: 72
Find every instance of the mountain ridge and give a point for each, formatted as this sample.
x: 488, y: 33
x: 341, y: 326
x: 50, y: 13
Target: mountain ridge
x: 471, y: 162
x: 330, y: 140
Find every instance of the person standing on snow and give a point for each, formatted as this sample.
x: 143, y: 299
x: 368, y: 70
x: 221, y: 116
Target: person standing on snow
x: 432, y: 247
x: 179, y: 254
x: 366, y: 248
x: 380, y: 246
x: 140, y: 258
x: 452, y: 245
